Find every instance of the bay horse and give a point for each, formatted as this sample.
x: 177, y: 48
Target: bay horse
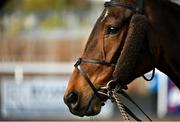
x: 130, y: 38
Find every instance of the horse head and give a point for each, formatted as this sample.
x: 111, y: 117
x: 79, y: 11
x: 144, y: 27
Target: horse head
x: 119, y: 37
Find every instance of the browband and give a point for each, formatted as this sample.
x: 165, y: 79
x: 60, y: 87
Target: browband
x: 137, y: 8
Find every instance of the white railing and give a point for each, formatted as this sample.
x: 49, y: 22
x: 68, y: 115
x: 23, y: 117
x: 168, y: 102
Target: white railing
x: 36, y: 68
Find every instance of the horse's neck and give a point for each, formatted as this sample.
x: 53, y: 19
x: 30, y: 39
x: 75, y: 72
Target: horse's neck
x: 164, y: 36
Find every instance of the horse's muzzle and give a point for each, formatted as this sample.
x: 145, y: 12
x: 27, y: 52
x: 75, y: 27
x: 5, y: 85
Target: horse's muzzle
x: 93, y: 106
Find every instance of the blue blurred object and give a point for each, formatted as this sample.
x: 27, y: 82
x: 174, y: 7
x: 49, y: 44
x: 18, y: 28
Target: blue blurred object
x: 153, y: 85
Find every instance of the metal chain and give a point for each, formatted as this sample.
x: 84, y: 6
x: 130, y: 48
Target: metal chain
x: 113, y: 95
x: 120, y: 106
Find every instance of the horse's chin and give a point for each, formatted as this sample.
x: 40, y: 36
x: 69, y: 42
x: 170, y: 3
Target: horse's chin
x: 94, y: 107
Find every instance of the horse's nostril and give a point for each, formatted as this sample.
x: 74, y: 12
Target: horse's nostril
x: 72, y: 98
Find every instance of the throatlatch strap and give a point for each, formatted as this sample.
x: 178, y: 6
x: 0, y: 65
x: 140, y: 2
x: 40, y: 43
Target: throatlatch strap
x: 153, y: 73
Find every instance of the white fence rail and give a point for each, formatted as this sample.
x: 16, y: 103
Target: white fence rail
x: 36, y: 68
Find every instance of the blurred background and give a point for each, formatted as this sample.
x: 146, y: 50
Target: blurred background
x: 39, y: 42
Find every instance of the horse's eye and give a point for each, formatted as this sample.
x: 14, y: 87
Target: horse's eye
x: 111, y: 30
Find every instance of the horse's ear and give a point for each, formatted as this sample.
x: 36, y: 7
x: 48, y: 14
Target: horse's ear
x: 133, y: 44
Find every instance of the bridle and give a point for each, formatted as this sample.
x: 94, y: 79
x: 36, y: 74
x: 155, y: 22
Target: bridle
x: 138, y: 9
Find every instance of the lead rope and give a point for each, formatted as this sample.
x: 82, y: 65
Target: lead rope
x: 113, y: 93
x: 120, y: 106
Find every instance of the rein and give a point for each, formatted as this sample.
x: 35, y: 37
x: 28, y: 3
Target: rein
x: 114, y: 88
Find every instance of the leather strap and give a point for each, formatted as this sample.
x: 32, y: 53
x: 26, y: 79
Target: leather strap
x: 153, y: 73
x: 118, y: 88
x: 131, y: 113
x: 123, y: 93
x: 94, y: 61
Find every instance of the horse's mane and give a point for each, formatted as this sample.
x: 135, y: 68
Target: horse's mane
x: 171, y: 6
x: 166, y: 3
